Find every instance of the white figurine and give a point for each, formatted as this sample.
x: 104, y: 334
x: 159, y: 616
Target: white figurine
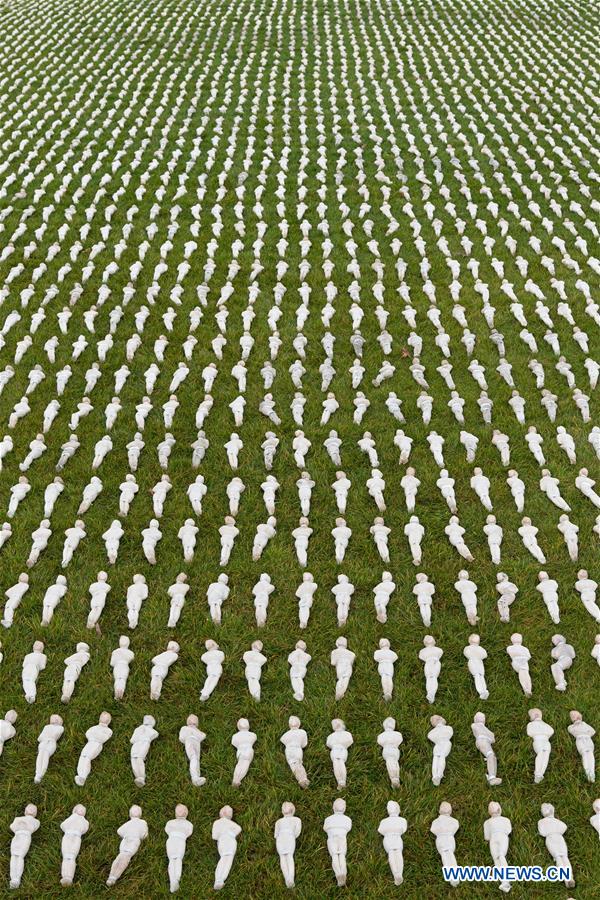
x: 294, y: 741
x: 14, y: 595
x: 414, y: 532
x: 431, y: 657
x: 337, y: 826
x: 468, y: 594
x: 548, y: 588
x: 475, y: 655
x: 519, y: 658
x: 507, y: 594
x: 132, y: 833
x: 140, y: 741
x: 177, y: 592
x: 484, y: 741
x: 339, y: 742
x: 444, y: 827
x: 552, y: 830
x: 389, y: 740
x: 586, y: 587
x: 383, y: 592
x: 98, y: 591
x: 7, y: 728
x: 262, y: 591
x: 595, y: 819
x: 33, y: 664
x: 287, y: 832
x: 73, y: 667
x: 178, y: 830
x: 540, y: 733
x: 385, y: 658
x: 225, y: 832
x: 254, y: 661
x: 305, y: 593
x: 342, y: 592
x: 392, y: 829
x: 216, y: 594
x: 47, y: 742
x: 298, y: 661
x: 120, y: 661
x: 74, y: 827
x: 496, y: 831
x: 595, y: 651
x: 441, y: 738
x: 243, y: 741
x: 23, y: 827
x: 583, y: 734
x: 191, y: 737
x: 213, y: 660
x: 563, y: 655
x: 137, y: 592
x: 160, y: 668
x: 342, y: 659
x: 96, y: 738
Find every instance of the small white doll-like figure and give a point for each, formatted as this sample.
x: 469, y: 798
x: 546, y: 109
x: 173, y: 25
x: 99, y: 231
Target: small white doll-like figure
x: 96, y: 738
x: 120, y: 661
x: 73, y: 537
x: 213, y: 659
x: 177, y: 592
x: 132, y: 833
x: 23, y: 828
x: 305, y: 484
x: 269, y: 488
x: 444, y: 828
x: 517, y: 489
x: 74, y: 665
x: 7, y: 728
x: 595, y: 651
x: 454, y: 532
x: 264, y: 532
x: 552, y: 830
x: 494, y: 535
x: 254, y: 660
x: 339, y: 742
x: 287, y: 831
x: 376, y: 486
x: 586, y: 587
x: 294, y: 742
x: 570, y: 533
x: 33, y: 664
x: 519, y: 660
x: 98, y: 592
x: 262, y: 591
x: 528, y: 534
x: 187, y: 534
x: 54, y: 594
x: 140, y: 741
x: 39, y: 537
x: 595, y: 819
x: 468, y: 594
x: 385, y: 658
x: 540, y: 733
x: 392, y: 828
x: 243, y: 741
x: 228, y: 532
x: 475, y: 656
x: 548, y: 588
x: 14, y: 595
x: 446, y: 487
x: 47, y: 743
x: 341, y: 536
x: 216, y: 594
x: 191, y: 737
x: 342, y: 659
x: 302, y: 535
x: 563, y: 655
x: 585, y: 484
x: 383, y: 591
x: 74, y: 827
x: 507, y: 593
x: 550, y: 487
x: 404, y: 445
x: 441, y: 737
x: 583, y: 734
x: 128, y: 489
x: 305, y: 593
x: 298, y: 661
x: 196, y: 493
x: 341, y: 488
x: 381, y: 532
x: 414, y: 532
x: 496, y: 831
x: 234, y: 491
x: 225, y: 832
x: 480, y: 484
x: 178, y: 830
x: 342, y: 592
x: 112, y: 539
x: 484, y: 741
x: 160, y: 668
x: 337, y: 828
x: 431, y: 657
x: 137, y: 593
x: 389, y: 740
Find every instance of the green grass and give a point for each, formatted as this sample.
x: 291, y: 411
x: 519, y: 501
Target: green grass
x: 298, y: 53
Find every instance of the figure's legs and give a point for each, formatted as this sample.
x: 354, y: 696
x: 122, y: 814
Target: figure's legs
x: 118, y: 867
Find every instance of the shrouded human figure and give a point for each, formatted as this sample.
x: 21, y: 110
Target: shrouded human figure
x: 440, y: 736
x: 444, y: 828
x: 225, y: 832
x: 213, y: 659
x: 96, y: 737
x: 178, y: 830
x: 23, y: 828
x: 540, y: 733
x: 243, y: 741
x: 132, y: 833
x: 484, y: 741
x: 519, y: 659
x: 583, y: 734
x: 73, y: 828
x: 342, y: 659
x: 337, y: 827
x: 140, y: 741
x: 120, y: 661
x: 298, y: 661
x: 339, y: 742
x: 294, y: 742
x: 33, y: 664
x: 389, y: 740
x: 191, y: 737
x: 392, y: 828
x: 431, y: 657
x: 496, y: 831
x: 287, y: 831
x: 553, y: 830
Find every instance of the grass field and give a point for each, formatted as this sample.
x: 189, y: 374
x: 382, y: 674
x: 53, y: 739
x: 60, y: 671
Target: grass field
x: 121, y: 116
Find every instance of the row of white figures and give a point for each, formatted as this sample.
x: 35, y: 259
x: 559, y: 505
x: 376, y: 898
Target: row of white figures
x: 342, y: 660
x: 295, y: 741
x: 225, y: 832
x: 218, y: 591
